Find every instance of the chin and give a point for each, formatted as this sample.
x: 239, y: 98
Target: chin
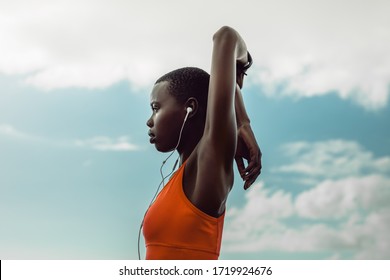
x: 160, y: 148
x: 163, y: 149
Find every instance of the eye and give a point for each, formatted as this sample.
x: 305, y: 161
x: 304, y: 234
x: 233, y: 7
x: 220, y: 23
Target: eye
x: 154, y: 108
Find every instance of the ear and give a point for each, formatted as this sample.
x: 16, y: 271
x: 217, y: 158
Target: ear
x: 193, y: 103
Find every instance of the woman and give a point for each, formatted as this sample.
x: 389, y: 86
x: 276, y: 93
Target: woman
x: 204, y: 119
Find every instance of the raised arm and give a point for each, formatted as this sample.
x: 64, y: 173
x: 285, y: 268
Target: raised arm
x: 216, y: 149
x: 220, y: 129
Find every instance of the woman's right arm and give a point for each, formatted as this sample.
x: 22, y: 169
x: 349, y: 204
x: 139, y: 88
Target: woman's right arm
x: 217, y: 148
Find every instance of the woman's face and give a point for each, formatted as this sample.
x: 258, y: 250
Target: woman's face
x: 166, y: 120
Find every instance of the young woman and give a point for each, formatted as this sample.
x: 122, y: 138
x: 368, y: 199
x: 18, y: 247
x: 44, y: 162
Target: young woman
x: 202, y: 117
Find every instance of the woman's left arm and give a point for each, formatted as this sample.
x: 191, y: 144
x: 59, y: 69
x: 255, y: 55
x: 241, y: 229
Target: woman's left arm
x: 247, y: 147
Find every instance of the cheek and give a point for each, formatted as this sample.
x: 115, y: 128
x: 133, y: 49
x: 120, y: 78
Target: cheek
x: 166, y: 126
x: 165, y: 122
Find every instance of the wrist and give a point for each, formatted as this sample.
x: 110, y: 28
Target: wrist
x: 241, y: 67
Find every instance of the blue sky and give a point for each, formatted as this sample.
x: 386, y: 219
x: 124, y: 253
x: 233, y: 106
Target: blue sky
x: 77, y: 171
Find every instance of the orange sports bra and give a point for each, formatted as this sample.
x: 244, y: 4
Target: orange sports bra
x: 174, y: 229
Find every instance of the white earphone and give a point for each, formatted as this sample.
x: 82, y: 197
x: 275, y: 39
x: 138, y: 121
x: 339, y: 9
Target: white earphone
x: 189, y: 110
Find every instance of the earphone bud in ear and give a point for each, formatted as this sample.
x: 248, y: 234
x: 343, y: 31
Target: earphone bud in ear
x: 189, y: 110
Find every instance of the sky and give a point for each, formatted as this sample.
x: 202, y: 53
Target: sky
x: 77, y: 170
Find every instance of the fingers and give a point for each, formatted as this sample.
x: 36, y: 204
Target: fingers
x: 252, y: 171
x: 240, y: 166
x: 248, y: 149
x: 254, y: 164
x: 249, y: 174
x: 251, y: 179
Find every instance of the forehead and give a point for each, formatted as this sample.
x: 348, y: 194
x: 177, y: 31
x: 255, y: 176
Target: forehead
x: 160, y: 94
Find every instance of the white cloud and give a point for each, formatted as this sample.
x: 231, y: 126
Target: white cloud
x: 265, y: 222
x: 90, y: 76
x: 10, y: 131
x: 331, y: 159
x: 100, y: 143
x: 310, y: 48
x: 103, y: 143
x: 339, y: 199
x: 346, y: 215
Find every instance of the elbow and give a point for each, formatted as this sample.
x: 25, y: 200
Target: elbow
x: 225, y: 33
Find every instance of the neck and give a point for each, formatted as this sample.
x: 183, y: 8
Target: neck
x: 190, y: 142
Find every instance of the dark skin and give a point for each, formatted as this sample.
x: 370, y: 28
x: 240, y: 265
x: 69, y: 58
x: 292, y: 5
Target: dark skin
x: 210, y: 146
x: 247, y: 147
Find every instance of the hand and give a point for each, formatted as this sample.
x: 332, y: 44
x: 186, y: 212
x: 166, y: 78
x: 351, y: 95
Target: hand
x: 247, y: 148
x: 241, y: 70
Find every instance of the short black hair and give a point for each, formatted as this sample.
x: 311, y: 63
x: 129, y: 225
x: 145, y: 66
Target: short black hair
x: 188, y: 82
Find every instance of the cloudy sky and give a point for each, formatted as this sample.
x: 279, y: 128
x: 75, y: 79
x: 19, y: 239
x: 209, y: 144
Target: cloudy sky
x: 77, y: 171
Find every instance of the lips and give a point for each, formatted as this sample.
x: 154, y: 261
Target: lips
x: 152, y: 137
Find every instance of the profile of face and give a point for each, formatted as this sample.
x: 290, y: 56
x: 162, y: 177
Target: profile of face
x: 166, y: 119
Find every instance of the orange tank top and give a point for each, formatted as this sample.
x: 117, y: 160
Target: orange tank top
x: 174, y: 229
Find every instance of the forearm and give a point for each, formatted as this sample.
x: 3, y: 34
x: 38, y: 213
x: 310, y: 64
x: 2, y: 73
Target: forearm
x: 242, y: 117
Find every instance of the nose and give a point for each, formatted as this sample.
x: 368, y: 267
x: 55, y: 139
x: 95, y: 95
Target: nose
x: 149, y: 122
